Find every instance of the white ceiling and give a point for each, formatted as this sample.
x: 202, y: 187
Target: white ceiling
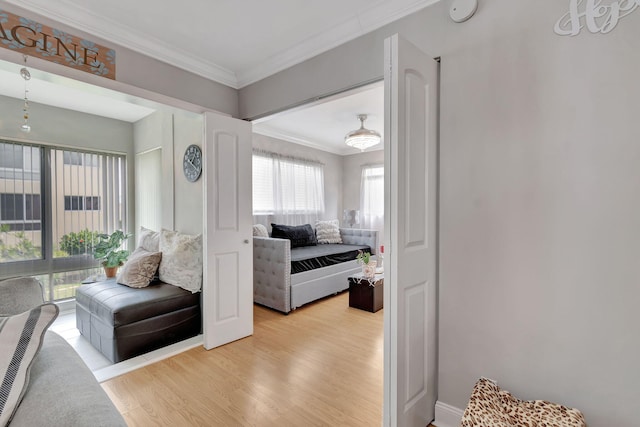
x: 49, y: 89
x: 232, y: 42
x: 324, y: 124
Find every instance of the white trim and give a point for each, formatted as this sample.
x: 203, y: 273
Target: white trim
x: 447, y: 415
x: 109, y: 30
x: 267, y: 131
x: 79, y: 79
x: 150, y: 358
x: 112, y: 31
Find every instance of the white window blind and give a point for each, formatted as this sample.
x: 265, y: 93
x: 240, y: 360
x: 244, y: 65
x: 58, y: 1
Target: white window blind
x: 87, y: 196
x: 287, y: 189
x: 372, y: 197
x: 52, y: 204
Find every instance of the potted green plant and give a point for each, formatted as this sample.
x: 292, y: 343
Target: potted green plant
x: 368, y: 265
x: 108, y: 251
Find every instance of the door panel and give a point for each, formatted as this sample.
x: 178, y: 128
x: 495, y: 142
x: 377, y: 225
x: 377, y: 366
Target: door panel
x: 411, y: 101
x: 228, y: 252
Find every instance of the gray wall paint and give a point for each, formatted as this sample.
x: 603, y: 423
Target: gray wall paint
x: 189, y: 208
x: 65, y: 127
x: 144, y: 72
x: 182, y: 207
x: 539, y: 228
x: 156, y: 131
x: 332, y: 169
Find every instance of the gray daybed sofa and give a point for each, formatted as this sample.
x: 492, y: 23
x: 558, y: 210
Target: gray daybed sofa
x: 61, y: 391
x: 274, y: 284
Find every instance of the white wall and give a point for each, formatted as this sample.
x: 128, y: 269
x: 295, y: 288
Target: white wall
x: 332, y: 169
x: 539, y: 223
x: 156, y: 132
x: 182, y: 207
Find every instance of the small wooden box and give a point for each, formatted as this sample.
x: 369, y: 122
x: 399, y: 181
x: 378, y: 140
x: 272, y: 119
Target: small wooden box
x: 366, y: 294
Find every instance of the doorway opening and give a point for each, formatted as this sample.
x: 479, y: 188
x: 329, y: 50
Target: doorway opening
x: 353, y: 185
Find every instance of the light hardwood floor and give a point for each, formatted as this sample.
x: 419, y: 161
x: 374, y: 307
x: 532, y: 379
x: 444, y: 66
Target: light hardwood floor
x: 319, y: 366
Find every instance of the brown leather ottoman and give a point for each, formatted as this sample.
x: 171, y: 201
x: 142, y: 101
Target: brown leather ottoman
x: 123, y: 322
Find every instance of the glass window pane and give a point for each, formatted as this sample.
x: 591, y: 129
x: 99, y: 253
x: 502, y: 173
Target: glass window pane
x: 63, y: 285
x: 88, y: 198
x: 11, y: 207
x: 11, y: 156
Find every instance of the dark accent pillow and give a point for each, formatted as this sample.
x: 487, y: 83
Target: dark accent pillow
x: 300, y: 235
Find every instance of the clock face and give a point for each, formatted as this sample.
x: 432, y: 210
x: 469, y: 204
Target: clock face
x: 192, y: 163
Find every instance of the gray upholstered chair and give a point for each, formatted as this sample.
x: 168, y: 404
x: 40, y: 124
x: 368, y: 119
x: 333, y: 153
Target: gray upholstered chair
x: 20, y: 294
x: 62, y: 391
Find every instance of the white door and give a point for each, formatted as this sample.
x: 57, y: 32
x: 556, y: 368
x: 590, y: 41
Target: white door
x: 227, y: 291
x: 411, y: 132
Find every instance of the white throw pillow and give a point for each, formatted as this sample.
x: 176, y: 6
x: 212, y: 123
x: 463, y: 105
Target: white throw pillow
x: 181, y: 263
x: 328, y: 231
x: 149, y: 240
x: 260, y: 230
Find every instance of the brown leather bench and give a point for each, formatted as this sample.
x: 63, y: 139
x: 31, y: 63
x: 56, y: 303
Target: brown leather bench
x: 123, y: 322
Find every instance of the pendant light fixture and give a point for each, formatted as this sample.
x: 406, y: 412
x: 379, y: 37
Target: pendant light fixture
x: 362, y: 138
x: 26, y: 75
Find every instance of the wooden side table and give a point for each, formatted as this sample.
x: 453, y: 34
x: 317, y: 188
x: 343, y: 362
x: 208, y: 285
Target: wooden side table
x: 366, y: 294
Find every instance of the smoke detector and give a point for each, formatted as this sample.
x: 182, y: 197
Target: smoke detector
x: 461, y: 10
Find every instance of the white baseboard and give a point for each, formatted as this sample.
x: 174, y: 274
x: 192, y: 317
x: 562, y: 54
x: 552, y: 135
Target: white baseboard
x: 447, y: 415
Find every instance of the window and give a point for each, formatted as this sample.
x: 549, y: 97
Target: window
x: 73, y: 203
x: 372, y: 197
x: 92, y: 203
x: 11, y: 207
x: 81, y: 203
x: 20, y: 212
x: 75, y: 158
x: 287, y: 186
x: 78, y: 193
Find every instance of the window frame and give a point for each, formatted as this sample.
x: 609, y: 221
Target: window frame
x: 366, y: 186
x: 294, y: 163
x: 48, y: 264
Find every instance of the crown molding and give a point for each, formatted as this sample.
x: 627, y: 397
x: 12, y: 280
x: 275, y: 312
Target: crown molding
x: 365, y: 22
x: 267, y: 131
x: 112, y: 31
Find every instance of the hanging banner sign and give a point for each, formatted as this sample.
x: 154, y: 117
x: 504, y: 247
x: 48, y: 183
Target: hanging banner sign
x: 597, y: 17
x: 32, y: 38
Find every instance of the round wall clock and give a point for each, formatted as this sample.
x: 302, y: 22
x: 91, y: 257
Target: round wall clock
x: 192, y: 163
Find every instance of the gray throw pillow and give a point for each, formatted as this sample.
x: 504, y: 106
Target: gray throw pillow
x: 140, y: 269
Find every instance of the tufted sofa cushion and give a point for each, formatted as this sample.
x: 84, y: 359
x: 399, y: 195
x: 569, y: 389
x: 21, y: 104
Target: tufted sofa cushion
x: 272, y: 263
x: 358, y: 236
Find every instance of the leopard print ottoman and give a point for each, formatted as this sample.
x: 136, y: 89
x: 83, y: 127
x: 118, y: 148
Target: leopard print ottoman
x: 491, y: 407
